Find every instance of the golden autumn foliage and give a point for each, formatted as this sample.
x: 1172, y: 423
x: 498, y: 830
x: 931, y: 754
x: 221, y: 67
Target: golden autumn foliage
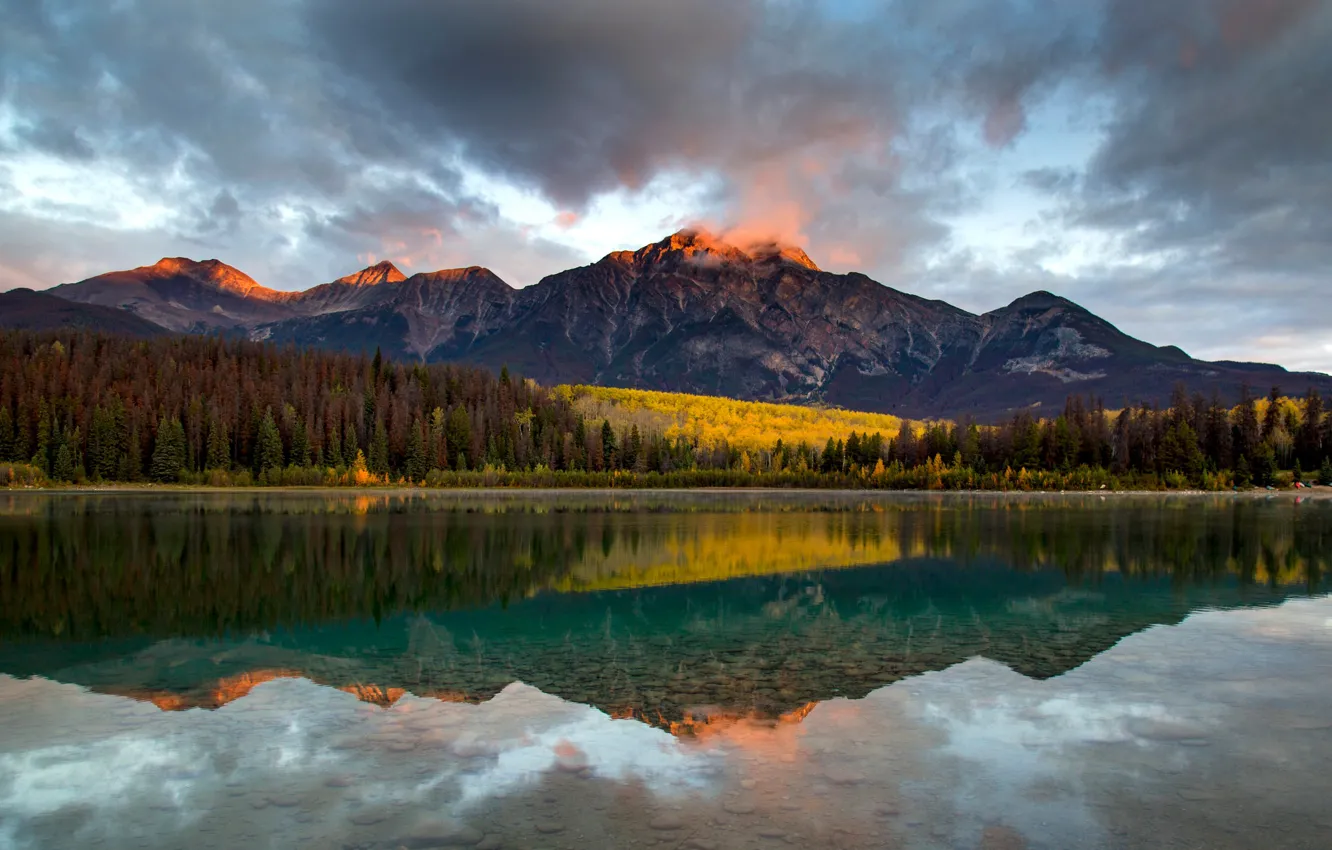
x: 745, y: 425
x: 716, y: 547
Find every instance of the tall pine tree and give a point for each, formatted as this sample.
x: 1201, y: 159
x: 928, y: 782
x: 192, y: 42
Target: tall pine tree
x: 169, y: 451
x: 378, y: 461
x: 416, y: 465
x: 6, y: 434
x: 268, y: 451
x: 459, y: 436
x: 218, y: 455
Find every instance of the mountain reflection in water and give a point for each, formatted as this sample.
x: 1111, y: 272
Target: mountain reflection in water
x: 683, y: 611
x: 580, y: 670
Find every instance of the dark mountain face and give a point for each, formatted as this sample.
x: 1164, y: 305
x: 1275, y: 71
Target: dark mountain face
x: 23, y: 309
x: 694, y: 314
x: 182, y: 295
x: 426, y: 316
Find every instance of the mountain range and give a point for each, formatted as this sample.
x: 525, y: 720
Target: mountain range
x: 691, y: 313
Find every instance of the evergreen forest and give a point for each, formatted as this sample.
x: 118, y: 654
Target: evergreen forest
x: 78, y: 407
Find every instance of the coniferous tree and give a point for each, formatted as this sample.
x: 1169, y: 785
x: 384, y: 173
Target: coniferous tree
x: 853, y: 450
x: 74, y: 443
x: 904, y: 447
x: 168, y: 451
x: 1247, y: 434
x: 268, y: 450
x: 300, y: 444
x: 828, y: 460
x: 333, y: 455
x: 218, y: 455
x: 131, y: 461
x: 438, y: 453
x: 1309, y: 440
x: 1272, y: 416
x: 378, y: 460
x: 416, y: 464
x: 458, y: 435
x: 1026, y: 442
x: 1264, y: 465
x: 41, y: 457
x: 62, y: 469
x: 6, y: 434
x: 350, y: 446
x: 609, y: 451
x: 22, y: 450
x: 106, y: 442
x: 633, y: 449
x: 1325, y: 474
x: 1180, y: 453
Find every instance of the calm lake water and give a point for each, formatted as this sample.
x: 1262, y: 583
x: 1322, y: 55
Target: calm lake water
x: 580, y: 670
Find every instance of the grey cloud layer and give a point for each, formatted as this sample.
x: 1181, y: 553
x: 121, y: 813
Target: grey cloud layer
x: 296, y: 135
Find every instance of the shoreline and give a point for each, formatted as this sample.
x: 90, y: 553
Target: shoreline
x: 1315, y: 493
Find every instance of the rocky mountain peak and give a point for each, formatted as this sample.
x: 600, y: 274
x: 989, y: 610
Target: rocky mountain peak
x: 214, y: 273
x: 379, y: 273
x: 683, y: 249
x: 770, y: 252
x: 1039, y: 300
x: 701, y: 249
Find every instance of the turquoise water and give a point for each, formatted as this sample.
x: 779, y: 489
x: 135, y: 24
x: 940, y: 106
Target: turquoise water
x: 726, y: 670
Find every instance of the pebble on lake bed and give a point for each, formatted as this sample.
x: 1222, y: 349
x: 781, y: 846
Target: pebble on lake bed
x: 667, y: 821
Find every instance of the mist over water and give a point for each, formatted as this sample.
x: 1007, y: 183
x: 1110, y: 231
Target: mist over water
x: 725, y: 670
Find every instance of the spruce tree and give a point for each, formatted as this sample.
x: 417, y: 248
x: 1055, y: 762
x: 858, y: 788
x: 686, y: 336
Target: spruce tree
x: 104, y: 444
x: 828, y: 459
x: 6, y: 434
x: 378, y: 461
x: 300, y: 444
x: 1309, y: 438
x: 1272, y: 416
x: 131, y: 460
x: 1325, y: 474
x: 63, y: 468
x: 168, y: 451
x: 1264, y: 465
x: 438, y: 454
x: 350, y: 448
x: 268, y: 452
x: 74, y: 446
x: 62, y: 463
x: 41, y: 457
x: 416, y: 465
x: 608, y: 453
x: 333, y: 447
x: 218, y: 455
x: 22, y: 449
x: 633, y: 449
x: 459, y: 436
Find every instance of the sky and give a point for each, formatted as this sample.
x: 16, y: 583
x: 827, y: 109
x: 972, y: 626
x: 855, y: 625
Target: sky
x: 1168, y: 165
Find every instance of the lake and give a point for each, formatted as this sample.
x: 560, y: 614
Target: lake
x: 725, y: 670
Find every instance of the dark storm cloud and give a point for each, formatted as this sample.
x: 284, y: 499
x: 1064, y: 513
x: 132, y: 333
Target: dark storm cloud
x: 1223, y: 135
x: 226, y: 121
x: 574, y: 96
x: 587, y: 96
x: 1211, y: 181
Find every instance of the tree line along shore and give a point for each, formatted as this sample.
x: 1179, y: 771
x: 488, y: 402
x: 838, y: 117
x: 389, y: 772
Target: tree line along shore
x: 78, y: 407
